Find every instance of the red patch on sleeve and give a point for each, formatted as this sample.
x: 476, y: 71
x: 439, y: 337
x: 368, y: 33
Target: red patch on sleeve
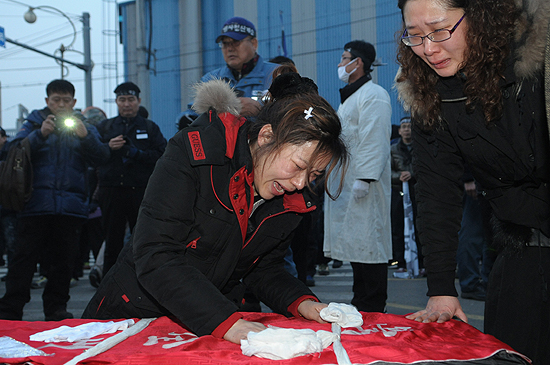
x: 125, y: 298
x: 196, y: 145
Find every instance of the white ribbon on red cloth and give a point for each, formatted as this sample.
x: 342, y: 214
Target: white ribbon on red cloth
x: 287, y: 343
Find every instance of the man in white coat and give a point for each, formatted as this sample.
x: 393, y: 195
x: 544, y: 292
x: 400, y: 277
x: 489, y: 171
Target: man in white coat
x: 357, y: 224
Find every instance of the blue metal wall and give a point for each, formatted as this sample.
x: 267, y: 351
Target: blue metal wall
x: 123, y: 20
x: 269, y: 28
x: 333, y: 31
x: 164, y: 63
x: 388, y: 22
x: 214, y: 14
x: 331, y: 27
x: 165, y: 71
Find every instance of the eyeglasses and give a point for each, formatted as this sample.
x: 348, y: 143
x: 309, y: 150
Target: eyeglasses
x: 232, y: 43
x: 346, y: 58
x: 439, y: 35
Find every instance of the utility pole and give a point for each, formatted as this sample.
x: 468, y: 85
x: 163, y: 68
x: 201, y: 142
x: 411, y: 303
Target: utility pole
x: 87, y: 58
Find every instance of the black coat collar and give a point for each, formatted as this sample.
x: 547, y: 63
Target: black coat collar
x: 348, y: 90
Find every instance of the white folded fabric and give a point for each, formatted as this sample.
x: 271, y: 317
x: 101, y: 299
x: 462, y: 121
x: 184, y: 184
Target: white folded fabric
x: 11, y: 348
x: 84, y: 331
x: 285, y: 343
x: 343, y: 314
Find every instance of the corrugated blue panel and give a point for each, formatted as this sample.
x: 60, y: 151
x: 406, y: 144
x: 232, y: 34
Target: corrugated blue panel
x: 333, y: 31
x: 388, y: 24
x: 164, y: 66
x: 123, y: 18
x: 214, y: 14
x: 269, y: 28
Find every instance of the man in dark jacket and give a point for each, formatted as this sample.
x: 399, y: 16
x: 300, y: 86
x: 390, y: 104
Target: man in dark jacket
x: 402, y: 171
x: 135, y: 144
x: 62, y: 147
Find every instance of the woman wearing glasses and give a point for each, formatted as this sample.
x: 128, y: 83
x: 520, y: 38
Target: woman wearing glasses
x: 472, y: 77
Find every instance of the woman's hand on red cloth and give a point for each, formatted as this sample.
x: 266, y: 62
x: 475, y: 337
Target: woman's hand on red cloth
x: 239, y: 331
x: 311, y: 310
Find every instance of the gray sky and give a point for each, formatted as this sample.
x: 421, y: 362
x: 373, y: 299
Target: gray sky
x: 24, y: 74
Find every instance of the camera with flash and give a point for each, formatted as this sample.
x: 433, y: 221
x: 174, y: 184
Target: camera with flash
x: 65, y: 123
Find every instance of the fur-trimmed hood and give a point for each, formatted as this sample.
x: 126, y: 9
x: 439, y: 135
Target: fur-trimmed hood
x: 530, y: 55
x: 216, y: 94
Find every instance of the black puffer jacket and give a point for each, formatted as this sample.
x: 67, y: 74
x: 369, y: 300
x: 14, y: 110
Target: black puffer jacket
x: 509, y: 159
x: 131, y: 165
x: 194, y: 242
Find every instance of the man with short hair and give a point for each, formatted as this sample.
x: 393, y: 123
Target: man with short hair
x: 246, y: 71
x: 63, y: 145
x: 357, y: 224
x: 135, y: 144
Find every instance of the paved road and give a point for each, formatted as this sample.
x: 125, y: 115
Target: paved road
x: 404, y: 295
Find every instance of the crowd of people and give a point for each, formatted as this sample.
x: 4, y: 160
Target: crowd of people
x: 265, y: 180
x: 69, y: 186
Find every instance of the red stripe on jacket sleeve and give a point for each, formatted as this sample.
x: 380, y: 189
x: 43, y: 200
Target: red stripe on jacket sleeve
x: 222, y: 329
x: 293, y: 308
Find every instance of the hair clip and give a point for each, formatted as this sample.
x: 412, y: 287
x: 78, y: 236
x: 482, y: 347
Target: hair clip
x: 308, y: 113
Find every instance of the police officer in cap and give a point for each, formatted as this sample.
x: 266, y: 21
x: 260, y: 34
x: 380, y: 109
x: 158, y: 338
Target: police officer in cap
x: 135, y: 143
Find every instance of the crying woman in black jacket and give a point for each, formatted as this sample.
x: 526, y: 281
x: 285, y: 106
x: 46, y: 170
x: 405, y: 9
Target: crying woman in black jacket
x: 220, y: 209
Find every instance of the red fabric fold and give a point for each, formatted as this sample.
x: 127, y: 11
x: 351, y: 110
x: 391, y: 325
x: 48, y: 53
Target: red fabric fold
x: 382, y: 338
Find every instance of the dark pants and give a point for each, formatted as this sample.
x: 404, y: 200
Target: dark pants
x: 517, y: 308
x: 370, y: 287
x: 398, y: 227
x: 50, y: 238
x: 473, y: 245
x: 91, y: 239
x: 119, y: 208
x: 7, y: 232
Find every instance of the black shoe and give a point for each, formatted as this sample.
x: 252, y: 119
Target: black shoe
x: 39, y: 283
x: 59, y: 316
x: 3, y: 278
x: 310, y: 281
x: 95, y: 277
x: 322, y: 269
x: 336, y: 264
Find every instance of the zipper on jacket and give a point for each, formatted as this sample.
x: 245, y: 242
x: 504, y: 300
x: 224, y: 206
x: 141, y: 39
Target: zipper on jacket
x: 193, y: 244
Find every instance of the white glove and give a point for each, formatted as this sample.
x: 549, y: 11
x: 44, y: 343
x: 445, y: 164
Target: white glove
x: 360, y: 189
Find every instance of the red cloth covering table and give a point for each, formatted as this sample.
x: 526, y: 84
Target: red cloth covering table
x: 384, y: 338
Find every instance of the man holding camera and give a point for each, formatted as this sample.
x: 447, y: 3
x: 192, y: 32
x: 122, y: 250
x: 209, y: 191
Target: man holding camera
x: 135, y: 145
x: 63, y: 145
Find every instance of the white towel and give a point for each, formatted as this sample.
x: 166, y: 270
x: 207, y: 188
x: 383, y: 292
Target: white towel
x: 84, y: 331
x: 285, y: 343
x: 343, y: 314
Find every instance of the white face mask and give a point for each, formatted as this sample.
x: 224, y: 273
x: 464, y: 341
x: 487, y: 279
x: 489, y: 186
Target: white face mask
x: 343, y: 74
